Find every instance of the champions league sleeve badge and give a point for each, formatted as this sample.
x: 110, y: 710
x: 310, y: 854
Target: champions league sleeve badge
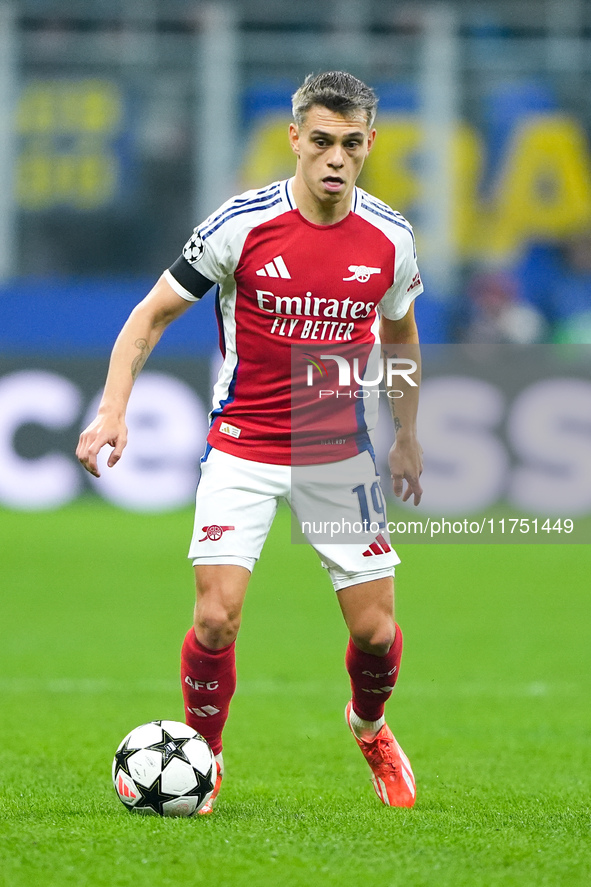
x: 194, y: 248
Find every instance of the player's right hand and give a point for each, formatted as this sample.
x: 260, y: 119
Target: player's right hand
x: 102, y: 430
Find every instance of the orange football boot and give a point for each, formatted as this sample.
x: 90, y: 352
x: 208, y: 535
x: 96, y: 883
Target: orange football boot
x: 392, y: 775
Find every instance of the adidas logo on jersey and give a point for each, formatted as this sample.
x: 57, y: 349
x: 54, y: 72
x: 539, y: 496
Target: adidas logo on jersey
x: 380, y: 546
x: 275, y: 268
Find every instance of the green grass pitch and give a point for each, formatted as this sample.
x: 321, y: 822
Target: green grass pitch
x: 492, y: 707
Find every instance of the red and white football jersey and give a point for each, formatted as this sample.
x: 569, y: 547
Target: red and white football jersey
x: 284, y: 281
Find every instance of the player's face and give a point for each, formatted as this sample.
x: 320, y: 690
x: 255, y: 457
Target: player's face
x: 331, y: 150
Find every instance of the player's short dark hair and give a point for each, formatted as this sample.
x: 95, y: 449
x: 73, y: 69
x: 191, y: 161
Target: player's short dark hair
x: 339, y: 92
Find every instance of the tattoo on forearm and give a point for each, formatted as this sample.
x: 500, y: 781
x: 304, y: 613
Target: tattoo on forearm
x: 397, y: 424
x: 141, y: 358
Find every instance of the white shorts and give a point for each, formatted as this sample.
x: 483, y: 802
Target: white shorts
x: 237, y: 500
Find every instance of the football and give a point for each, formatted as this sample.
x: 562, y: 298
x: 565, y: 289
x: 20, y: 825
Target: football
x: 164, y: 768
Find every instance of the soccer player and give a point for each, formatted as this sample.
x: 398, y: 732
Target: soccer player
x: 312, y: 261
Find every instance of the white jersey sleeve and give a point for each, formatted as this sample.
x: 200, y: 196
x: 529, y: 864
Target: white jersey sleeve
x: 215, y: 247
x: 211, y: 256
x: 407, y: 281
x: 407, y: 284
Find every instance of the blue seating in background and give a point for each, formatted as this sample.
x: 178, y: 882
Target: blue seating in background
x: 67, y: 318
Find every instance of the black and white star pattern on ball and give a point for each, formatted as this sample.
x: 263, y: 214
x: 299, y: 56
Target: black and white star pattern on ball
x: 202, y: 788
x: 170, y: 747
x: 122, y: 757
x: 194, y: 248
x: 154, y: 797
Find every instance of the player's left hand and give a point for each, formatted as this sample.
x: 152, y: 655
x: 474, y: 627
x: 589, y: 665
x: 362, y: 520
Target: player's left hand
x: 406, y: 464
x: 105, y: 429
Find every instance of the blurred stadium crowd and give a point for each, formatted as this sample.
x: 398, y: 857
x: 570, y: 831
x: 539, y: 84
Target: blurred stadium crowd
x: 110, y: 137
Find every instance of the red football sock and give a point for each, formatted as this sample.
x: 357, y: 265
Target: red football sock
x: 208, y: 680
x: 373, y: 677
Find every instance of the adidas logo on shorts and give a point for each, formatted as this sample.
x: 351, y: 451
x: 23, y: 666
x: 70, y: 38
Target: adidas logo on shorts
x: 380, y: 546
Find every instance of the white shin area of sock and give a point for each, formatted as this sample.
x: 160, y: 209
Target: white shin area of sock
x: 365, y: 730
